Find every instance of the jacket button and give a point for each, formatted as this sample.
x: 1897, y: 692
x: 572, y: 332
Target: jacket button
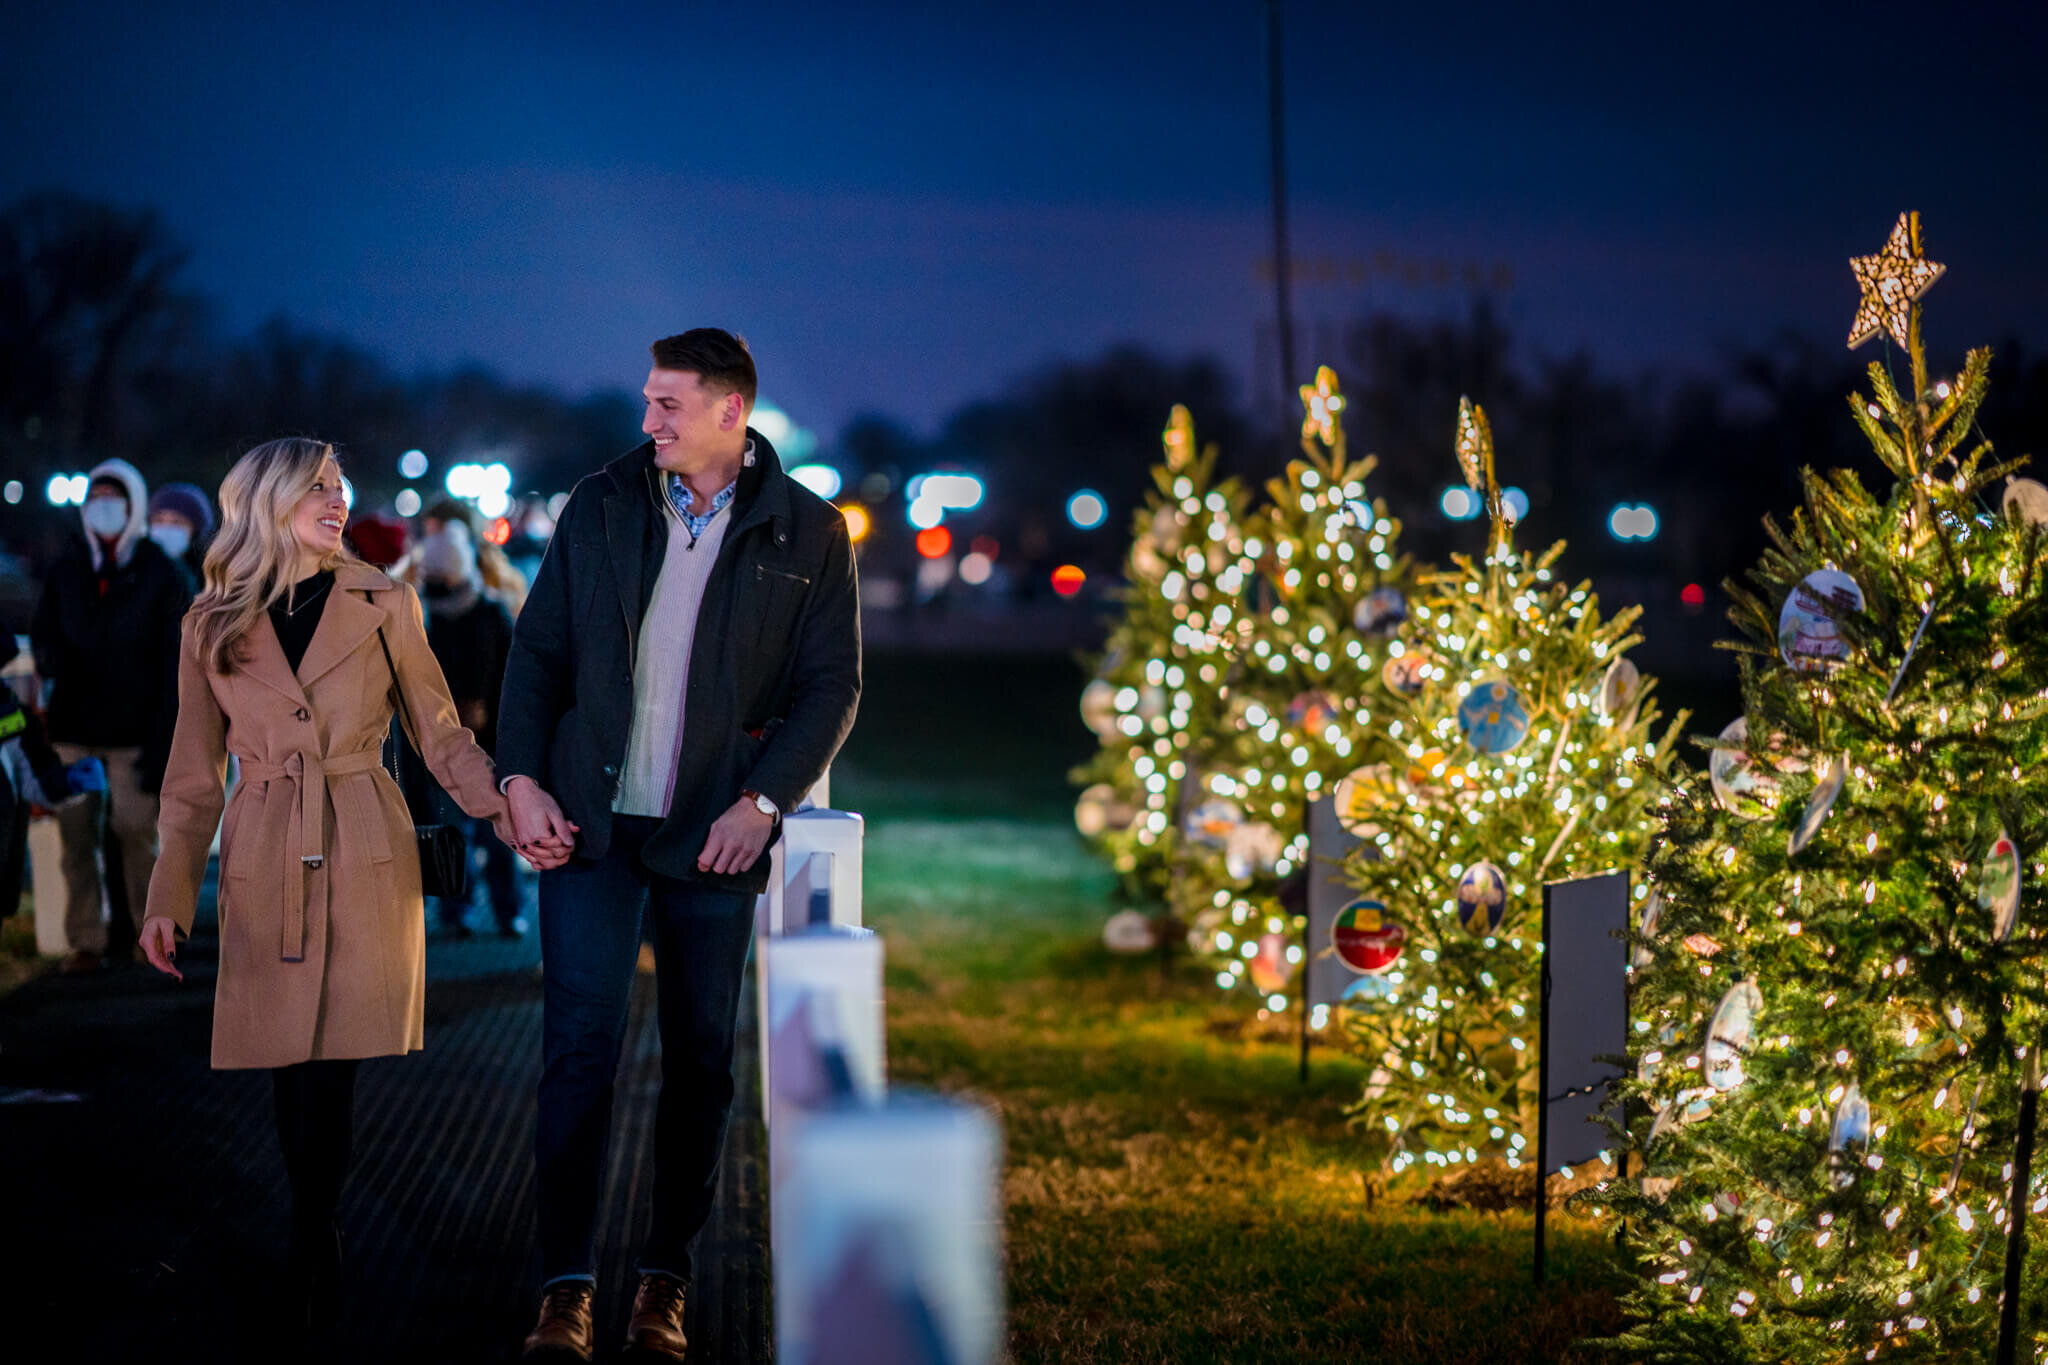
x: 782, y: 537
x: 301, y: 714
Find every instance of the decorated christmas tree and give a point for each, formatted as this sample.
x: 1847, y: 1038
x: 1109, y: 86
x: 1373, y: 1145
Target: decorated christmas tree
x: 1843, y: 996
x: 1156, y: 699
x: 1523, y: 751
x: 1324, y: 592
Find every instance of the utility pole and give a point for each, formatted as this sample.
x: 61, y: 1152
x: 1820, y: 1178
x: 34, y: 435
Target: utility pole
x: 1277, y: 121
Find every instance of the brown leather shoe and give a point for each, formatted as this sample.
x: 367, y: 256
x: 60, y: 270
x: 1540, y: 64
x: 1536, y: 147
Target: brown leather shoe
x: 656, y: 1331
x: 564, y: 1331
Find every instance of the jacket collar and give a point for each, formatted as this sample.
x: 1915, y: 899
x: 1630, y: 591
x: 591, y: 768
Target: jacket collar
x: 763, y: 492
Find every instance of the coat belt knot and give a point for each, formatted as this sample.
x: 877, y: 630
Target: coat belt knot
x: 308, y: 773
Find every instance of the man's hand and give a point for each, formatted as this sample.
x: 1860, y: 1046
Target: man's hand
x: 736, y: 840
x: 540, y: 832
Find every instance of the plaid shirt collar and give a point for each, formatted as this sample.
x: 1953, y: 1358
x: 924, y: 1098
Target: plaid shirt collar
x: 684, y: 501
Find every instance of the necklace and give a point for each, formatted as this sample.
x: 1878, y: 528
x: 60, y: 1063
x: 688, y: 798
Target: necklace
x: 311, y: 598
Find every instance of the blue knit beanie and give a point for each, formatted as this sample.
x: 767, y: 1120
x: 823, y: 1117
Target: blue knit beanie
x: 188, y: 501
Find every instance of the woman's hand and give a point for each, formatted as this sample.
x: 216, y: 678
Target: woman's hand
x: 160, y: 945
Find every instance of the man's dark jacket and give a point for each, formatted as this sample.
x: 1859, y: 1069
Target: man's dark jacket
x: 112, y: 656
x: 774, y: 671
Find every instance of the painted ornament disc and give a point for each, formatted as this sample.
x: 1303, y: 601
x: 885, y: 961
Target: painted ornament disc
x: 2026, y: 500
x: 1998, y: 886
x: 1730, y: 1033
x: 1130, y: 931
x: 1365, y: 939
x: 1406, y: 672
x: 1618, y: 689
x: 1492, y: 717
x: 1379, y: 611
x: 1832, y: 775
x: 1212, y: 822
x: 1364, y: 794
x: 1482, y: 898
x: 1809, y: 637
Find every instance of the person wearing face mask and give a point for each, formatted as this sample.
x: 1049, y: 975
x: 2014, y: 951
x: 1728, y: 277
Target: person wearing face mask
x: 105, y: 635
x: 180, y: 520
x: 470, y: 632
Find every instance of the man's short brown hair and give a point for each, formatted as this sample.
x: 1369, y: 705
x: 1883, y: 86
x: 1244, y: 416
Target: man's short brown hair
x: 718, y: 358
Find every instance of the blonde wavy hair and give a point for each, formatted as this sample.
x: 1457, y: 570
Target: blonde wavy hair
x: 252, y: 561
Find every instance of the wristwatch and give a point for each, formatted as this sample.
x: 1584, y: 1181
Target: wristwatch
x: 763, y: 804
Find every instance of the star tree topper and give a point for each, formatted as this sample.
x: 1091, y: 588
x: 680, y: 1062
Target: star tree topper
x: 1891, y: 281
x: 1323, y: 403
x: 1179, y: 437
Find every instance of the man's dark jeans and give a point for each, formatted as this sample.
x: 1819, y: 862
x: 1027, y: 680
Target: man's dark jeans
x: 590, y: 922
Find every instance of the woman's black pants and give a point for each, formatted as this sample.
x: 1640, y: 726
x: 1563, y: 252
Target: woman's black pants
x: 315, y: 1118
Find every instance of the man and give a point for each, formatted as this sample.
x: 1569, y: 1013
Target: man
x: 684, y: 670
x: 106, y: 640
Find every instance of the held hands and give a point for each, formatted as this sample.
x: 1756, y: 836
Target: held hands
x: 160, y: 945
x: 540, y: 832
x: 736, y: 839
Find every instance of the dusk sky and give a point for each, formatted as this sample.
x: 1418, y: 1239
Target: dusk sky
x: 904, y: 206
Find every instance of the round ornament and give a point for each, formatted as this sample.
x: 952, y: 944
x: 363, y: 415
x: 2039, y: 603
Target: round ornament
x: 1429, y: 778
x: 1130, y: 931
x: 1380, y: 611
x: 1098, y: 707
x: 1730, y: 1033
x: 1851, y: 1132
x: 1492, y: 717
x: 1269, y: 968
x: 1741, y: 784
x: 1482, y: 898
x: 1365, y: 939
x: 1212, y: 823
x: 1363, y: 795
x: 1100, y: 810
x: 1618, y: 689
x: 1832, y: 774
x: 1251, y: 849
x: 2026, y: 500
x: 1808, y: 635
x: 1367, y: 990
x: 1310, y: 713
x: 1998, y: 886
x: 1646, y: 928
x: 1406, y: 672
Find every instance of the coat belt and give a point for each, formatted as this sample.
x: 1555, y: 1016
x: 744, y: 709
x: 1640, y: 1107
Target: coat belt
x: 308, y: 774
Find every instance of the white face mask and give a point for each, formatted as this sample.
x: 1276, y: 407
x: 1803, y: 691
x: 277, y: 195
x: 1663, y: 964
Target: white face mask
x: 106, y: 516
x: 174, y: 539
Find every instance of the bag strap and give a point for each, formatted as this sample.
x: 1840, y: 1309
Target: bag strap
x: 404, y: 714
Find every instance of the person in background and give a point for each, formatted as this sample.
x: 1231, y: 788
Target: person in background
x: 470, y: 632
x: 180, y: 521
x: 105, y: 634
x: 31, y: 774
x: 500, y: 578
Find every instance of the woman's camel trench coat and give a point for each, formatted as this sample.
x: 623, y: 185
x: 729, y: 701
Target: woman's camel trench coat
x: 322, y: 933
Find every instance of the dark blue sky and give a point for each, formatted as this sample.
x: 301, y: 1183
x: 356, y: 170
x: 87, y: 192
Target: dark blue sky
x: 904, y: 205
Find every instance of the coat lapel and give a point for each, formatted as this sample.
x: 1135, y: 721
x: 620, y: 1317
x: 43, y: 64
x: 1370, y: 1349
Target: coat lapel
x: 345, y: 622
x: 625, y: 524
x: 266, y: 663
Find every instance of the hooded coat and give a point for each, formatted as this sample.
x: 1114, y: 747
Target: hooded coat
x: 322, y: 929
x: 105, y: 633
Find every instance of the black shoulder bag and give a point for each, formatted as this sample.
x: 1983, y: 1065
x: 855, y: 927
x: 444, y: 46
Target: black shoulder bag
x: 444, y: 853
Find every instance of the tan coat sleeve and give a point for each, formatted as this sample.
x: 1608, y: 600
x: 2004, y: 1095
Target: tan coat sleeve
x: 193, y: 792
x: 451, y: 752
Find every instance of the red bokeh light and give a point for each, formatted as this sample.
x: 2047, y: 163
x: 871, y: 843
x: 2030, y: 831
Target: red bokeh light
x: 1067, y: 579
x: 986, y: 545
x: 499, y: 531
x: 934, y: 541
x: 1693, y: 595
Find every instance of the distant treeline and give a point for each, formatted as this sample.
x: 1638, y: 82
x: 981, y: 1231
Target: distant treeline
x: 106, y: 350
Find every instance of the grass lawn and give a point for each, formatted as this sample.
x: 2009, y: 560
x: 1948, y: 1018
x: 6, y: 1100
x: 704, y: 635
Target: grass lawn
x: 1172, y: 1191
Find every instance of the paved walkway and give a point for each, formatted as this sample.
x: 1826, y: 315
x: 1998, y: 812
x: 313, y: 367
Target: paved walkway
x: 144, y: 1221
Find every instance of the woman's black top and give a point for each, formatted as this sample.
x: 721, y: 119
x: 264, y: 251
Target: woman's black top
x: 295, y: 628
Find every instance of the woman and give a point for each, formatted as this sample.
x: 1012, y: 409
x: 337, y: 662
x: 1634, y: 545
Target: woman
x: 290, y: 660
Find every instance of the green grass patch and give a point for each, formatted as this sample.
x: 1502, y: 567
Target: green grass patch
x: 1172, y: 1191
